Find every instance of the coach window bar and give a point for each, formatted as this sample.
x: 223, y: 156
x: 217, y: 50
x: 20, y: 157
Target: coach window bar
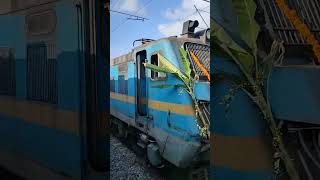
x: 156, y: 76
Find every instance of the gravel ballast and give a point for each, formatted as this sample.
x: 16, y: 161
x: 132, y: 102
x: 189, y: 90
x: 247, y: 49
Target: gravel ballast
x: 126, y: 165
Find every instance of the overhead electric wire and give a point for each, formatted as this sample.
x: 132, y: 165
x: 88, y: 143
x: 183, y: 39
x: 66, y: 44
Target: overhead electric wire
x: 204, y: 11
x: 180, y: 19
x: 201, y: 16
x: 131, y: 15
x: 125, y: 20
x: 191, y: 14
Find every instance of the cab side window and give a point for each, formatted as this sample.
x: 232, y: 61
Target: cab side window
x: 156, y: 75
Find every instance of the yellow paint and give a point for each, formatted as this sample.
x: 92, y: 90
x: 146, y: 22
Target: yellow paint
x: 240, y: 153
x: 183, y: 109
x: 40, y: 113
x: 122, y: 97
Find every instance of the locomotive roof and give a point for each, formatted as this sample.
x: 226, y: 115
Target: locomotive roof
x: 179, y: 40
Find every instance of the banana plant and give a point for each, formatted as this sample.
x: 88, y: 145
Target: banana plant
x: 254, y: 71
x: 188, y: 85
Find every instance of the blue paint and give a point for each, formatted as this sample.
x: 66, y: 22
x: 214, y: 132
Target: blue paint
x: 294, y: 95
x: 202, y: 91
x: 68, y: 81
x: 21, y: 82
x: 131, y: 87
x: 170, y: 51
x: 68, y: 57
x: 177, y: 125
x: 185, y: 124
x: 114, y: 74
x: 123, y: 107
x: 52, y: 148
x: 167, y: 49
x: 183, y: 128
x: 170, y: 94
x: 13, y: 34
x: 131, y: 92
x: 131, y: 70
x: 242, y: 118
x: 67, y: 28
x: 17, y: 40
x: 226, y: 173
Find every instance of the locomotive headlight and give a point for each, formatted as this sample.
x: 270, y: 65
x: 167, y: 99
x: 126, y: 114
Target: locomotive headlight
x: 208, y: 34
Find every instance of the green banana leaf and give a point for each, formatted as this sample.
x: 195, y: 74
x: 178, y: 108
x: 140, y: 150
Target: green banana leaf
x: 243, y: 58
x: 185, y: 62
x: 248, y: 29
x: 161, y: 86
x: 158, y: 68
x: 168, y: 67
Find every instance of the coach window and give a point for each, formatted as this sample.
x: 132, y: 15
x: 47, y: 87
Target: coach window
x: 7, y: 72
x: 156, y: 75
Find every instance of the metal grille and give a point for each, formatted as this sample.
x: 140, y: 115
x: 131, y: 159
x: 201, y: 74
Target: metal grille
x: 7, y: 72
x: 205, y: 106
x: 41, y: 73
x: 308, y: 11
x: 202, y: 52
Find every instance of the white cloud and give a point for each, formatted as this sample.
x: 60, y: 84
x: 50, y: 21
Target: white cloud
x: 171, y: 29
x: 186, y: 11
x: 132, y: 6
x: 129, y: 5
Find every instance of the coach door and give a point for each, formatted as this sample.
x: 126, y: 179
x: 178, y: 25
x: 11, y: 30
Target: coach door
x: 141, y: 57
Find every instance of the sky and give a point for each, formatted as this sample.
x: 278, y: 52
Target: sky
x: 165, y: 18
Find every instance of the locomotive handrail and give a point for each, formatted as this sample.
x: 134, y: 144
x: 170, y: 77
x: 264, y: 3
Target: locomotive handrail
x: 143, y: 40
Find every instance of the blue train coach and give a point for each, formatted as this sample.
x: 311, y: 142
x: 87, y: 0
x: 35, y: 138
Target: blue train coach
x: 162, y: 121
x: 53, y: 98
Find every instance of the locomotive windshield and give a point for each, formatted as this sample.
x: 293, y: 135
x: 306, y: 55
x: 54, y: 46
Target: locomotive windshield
x: 202, y: 52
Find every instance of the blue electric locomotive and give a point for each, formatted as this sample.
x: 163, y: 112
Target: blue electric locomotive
x: 53, y: 98
x: 161, y: 120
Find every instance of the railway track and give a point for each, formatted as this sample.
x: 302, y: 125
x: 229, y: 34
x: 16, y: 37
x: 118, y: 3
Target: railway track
x: 125, y: 164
